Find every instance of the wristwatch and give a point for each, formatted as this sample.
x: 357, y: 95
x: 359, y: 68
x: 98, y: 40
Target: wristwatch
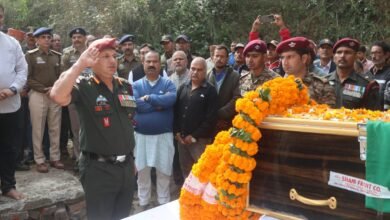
x: 13, y: 89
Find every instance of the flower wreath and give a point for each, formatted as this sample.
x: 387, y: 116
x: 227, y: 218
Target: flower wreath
x: 217, y: 185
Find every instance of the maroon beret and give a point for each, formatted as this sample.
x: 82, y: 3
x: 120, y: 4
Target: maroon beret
x: 347, y: 42
x: 255, y: 46
x: 295, y: 43
x: 104, y: 43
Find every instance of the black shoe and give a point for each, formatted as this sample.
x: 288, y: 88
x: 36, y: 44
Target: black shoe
x: 22, y: 167
x: 29, y: 161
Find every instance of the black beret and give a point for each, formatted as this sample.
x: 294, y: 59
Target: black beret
x: 77, y: 30
x: 127, y: 37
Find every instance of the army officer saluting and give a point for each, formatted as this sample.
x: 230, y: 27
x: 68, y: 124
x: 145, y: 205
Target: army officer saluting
x: 105, y: 105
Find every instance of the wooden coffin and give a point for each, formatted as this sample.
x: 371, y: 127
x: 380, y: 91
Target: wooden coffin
x: 296, y: 156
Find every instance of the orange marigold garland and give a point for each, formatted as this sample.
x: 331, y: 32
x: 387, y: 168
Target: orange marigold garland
x: 217, y: 185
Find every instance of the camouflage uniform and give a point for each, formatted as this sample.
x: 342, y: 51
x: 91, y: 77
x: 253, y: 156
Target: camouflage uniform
x: 248, y: 82
x: 320, y: 90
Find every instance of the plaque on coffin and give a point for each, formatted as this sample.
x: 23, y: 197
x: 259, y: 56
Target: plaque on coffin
x: 294, y: 161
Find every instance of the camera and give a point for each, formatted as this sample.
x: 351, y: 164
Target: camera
x: 267, y: 18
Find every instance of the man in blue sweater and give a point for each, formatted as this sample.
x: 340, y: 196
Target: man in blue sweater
x: 155, y: 96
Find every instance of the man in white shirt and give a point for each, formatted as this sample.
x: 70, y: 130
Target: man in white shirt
x: 13, y: 75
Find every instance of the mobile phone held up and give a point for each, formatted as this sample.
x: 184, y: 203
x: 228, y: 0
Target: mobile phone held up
x: 267, y: 18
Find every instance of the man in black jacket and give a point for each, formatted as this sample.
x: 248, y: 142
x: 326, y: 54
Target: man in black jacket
x: 226, y: 82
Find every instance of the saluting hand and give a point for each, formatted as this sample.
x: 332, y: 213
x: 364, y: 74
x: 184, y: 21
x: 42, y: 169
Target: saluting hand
x: 89, y: 57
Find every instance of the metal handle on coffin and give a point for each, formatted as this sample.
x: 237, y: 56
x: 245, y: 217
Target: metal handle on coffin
x: 331, y: 202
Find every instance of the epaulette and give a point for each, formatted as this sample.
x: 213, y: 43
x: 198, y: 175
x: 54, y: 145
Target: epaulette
x: 83, y: 78
x: 67, y: 49
x: 121, y: 80
x: 55, y: 52
x: 33, y: 50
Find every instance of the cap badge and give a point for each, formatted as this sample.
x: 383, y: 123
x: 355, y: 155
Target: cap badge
x: 292, y: 44
x: 352, y: 44
x: 257, y: 47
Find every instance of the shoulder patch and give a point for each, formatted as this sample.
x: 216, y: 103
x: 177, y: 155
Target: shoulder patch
x: 33, y: 50
x: 67, y: 49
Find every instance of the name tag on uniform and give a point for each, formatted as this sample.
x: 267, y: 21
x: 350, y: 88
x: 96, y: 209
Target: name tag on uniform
x: 127, y: 101
x: 40, y: 60
x: 354, y: 90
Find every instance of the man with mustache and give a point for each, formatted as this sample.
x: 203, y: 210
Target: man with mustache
x: 155, y: 96
x: 352, y: 90
x: 296, y: 57
x: 44, y: 68
x: 128, y: 60
x: 70, y: 56
x: 106, y: 105
x: 226, y: 82
x: 380, y: 52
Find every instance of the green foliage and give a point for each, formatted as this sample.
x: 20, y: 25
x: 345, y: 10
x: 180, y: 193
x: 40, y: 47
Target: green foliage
x: 205, y: 21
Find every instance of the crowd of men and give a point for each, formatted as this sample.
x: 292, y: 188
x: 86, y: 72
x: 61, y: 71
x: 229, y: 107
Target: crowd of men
x: 129, y: 108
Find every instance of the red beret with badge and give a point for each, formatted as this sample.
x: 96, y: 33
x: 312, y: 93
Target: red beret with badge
x: 104, y: 43
x: 255, y: 46
x: 347, y: 42
x: 295, y: 43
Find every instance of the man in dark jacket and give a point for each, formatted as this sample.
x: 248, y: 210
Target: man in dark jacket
x: 226, y: 82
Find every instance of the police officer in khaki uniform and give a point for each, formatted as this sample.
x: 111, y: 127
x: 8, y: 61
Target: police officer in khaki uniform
x: 43, y: 70
x: 128, y: 60
x: 255, y: 53
x: 295, y: 57
x: 70, y: 55
x: 352, y: 90
x: 106, y: 106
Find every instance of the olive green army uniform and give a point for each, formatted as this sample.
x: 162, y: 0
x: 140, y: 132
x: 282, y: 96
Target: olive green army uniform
x: 43, y: 70
x: 249, y: 82
x: 107, y: 143
x: 164, y: 59
x: 125, y: 66
x: 355, y: 92
x: 69, y: 57
x: 319, y: 89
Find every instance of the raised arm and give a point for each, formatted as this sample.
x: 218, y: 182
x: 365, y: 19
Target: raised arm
x: 62, y: 88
